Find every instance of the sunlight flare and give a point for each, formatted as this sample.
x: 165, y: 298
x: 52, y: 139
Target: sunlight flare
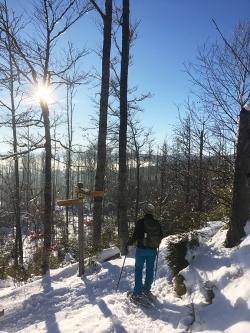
x: 42, y: 93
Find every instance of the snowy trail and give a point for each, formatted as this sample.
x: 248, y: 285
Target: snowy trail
x: 62, y: 302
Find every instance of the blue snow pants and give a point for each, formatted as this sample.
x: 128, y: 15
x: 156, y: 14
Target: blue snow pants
x: 142, y: 256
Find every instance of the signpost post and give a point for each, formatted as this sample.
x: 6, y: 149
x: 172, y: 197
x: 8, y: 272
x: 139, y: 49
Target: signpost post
x: 81, y: 193
x: 80, y: 231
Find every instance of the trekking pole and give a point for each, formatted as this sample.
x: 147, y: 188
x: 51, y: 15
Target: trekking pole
x: 121, y: 272
x: 156, y: 264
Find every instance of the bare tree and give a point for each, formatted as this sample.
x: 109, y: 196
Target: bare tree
x: 223, y: 78
x: 72, y: 80
x: 241, y: 187
x: 199, y: 122
x: 163, y: 176
x: 40, y: 68
x: 184, y: 136
x: 140, y: 137
x: 222, y: 81
x: 122, y: 176
x: 10, y: 81
x: 103, y: 115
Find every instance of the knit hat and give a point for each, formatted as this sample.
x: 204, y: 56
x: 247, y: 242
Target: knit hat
x: 247, y: 107
x: 149, y: 208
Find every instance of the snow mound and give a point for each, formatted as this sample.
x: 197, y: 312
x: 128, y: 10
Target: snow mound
x: 217, y: 280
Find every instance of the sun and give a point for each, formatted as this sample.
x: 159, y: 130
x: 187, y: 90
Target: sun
x: 42, y: 93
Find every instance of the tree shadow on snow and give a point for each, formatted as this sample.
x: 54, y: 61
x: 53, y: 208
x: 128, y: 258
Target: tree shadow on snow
x: 242, y: 256
x: 210, y: 259
x: 224, y: 314
x: 40, y: 307
x: 167, y: 312
x: 50, y: 320
x: 117, y: 324
x: 106, y: 280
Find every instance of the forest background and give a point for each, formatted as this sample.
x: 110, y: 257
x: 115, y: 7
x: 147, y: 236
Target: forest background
x: 51, y: 82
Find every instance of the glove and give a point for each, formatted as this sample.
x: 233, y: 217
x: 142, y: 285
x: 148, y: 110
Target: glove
x: 126, y: 250
x: 129, y: 242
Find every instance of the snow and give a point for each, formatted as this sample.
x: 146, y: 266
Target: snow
x: 63, y: 302
x: 226, y: 272
x: 108, y: 253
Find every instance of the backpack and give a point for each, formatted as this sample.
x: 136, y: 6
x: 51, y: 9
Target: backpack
x: 152, y: 233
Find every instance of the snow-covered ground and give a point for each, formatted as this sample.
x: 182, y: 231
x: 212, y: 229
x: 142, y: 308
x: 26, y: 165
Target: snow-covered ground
x: 62, y: 302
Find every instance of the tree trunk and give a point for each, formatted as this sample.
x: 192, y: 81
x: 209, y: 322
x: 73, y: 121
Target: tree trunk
x: 188, y: 174
x: 241, y: 193
x: 18, y: 236
x: 122, y: 176
x: 137, y: 199
x: 68, y: 157
x: 163, y: 177
x: 53, y: 189
x: 68, y: 167
x: 47, y: 190
x: 28, y: 174
x: 200, y: 181
x: 102, y: 134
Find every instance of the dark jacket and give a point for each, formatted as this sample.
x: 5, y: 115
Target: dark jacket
x: 138, y: 234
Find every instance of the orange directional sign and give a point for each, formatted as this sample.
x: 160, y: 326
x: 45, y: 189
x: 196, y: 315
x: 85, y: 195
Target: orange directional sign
x: 68, y: 202
x: 80, y: 194
x: 95, y: 194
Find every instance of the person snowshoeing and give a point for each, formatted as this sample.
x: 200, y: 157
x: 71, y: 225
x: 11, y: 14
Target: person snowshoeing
x: 147, y: 235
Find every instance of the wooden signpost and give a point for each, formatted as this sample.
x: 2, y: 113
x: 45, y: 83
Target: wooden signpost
x: 81, y: 193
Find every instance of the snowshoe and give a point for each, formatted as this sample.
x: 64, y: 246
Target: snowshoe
x: 149, y: 296
x: 139, y: 300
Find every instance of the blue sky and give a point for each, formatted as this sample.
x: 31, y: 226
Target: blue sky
x: 169, y: 34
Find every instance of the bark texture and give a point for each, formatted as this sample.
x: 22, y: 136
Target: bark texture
x: 122, y: 177
x: 241, y: 193
x: 102, y: 134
